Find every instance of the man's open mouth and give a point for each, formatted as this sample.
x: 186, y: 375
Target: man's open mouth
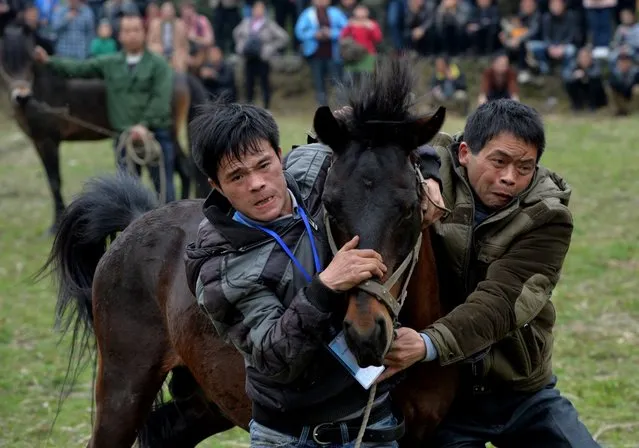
x: 264, y: 201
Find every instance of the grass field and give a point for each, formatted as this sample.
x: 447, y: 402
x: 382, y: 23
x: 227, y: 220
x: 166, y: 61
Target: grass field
x: 597, y: 336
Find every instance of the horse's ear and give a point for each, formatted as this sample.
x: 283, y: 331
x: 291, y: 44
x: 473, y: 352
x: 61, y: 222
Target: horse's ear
x: 329, y: 130
x: 426, y: 128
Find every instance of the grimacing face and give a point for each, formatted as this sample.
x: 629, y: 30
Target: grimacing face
x: 501, y: 170
x: 255, y: 185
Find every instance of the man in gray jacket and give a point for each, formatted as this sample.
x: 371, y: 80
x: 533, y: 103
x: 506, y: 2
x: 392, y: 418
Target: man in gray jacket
x: 262, y: 271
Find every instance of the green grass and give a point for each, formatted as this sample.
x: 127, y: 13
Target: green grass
x: 597, y: 336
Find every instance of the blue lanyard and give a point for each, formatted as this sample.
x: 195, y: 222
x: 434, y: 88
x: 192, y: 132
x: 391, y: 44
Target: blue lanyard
x: 283, y: 245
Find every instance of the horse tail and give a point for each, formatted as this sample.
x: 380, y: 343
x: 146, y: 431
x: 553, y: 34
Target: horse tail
x: 106, y: 206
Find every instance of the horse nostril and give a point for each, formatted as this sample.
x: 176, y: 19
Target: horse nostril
x: 381, y: 323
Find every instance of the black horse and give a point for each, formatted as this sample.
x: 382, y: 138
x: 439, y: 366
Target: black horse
x: 40, y: 100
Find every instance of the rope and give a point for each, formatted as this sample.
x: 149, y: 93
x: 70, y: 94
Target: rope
x: 147, y: 154
x: 367, y: 414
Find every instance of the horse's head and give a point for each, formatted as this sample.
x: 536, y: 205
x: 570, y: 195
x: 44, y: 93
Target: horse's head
x: 16, y: 60
x: 373, y: 190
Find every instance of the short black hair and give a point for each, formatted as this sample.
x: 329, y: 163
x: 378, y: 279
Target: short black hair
x: 222, y: 129
x: 130, y: 15
x: 501, y: 116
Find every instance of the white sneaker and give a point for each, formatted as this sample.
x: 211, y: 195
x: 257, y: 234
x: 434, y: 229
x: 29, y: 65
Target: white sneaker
x: 600, y: 52
x: 523, y: 77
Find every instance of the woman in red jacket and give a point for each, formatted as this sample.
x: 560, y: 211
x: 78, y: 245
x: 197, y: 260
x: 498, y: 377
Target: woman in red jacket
x: 358, y: 42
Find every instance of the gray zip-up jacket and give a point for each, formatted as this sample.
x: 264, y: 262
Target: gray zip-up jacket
x: 261, y: 303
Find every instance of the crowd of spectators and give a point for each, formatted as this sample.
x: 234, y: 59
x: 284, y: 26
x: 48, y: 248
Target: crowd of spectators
x: 591, y: 45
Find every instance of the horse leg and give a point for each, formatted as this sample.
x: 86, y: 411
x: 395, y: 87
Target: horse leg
x: 216, y: 366
x: 132, y: 359
x: 49, y: 152
x: 187, y: 420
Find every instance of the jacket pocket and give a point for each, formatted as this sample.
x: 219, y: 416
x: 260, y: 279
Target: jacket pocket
x: 522, y: 353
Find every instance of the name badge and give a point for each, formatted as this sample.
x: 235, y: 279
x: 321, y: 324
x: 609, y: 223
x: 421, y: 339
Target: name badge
x: 366, y: 377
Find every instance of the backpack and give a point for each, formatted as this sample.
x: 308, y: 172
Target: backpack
x: 253, y: 47
x: 351, y: 51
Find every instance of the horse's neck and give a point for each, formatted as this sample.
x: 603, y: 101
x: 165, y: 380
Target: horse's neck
x: 47, y: 86
x: 422, y: 305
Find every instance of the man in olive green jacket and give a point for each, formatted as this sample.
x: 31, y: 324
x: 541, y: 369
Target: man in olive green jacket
x: 499, y: 253
x: 139, y: 85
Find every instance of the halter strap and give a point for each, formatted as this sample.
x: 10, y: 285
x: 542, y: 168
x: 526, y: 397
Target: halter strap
x: 381, y: 291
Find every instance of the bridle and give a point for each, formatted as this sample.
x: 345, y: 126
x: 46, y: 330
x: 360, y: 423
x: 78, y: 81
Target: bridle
x: 382, y: 291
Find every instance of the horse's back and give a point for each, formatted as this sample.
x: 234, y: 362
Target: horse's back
x: 150, y: 247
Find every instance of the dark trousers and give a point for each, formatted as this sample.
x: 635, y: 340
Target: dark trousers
x: 600, y: 25
x: 323, y: 70
x: 253, y: 69
x: 164, y: 138
x: 224, y: 21
x: 514, y: 420
x: 589, y: 94
x: 451, y: 39
x: 484, y: 40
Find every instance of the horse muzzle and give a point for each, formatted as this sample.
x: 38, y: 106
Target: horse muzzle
x: 21, y: 93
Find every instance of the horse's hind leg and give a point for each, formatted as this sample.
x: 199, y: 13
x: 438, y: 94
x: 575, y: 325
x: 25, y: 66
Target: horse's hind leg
x: 131, y: 365
x: 49, y: 152
x: 185, y: 421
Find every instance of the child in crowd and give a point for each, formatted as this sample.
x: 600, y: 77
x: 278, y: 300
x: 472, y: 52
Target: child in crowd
x: 103, y: 43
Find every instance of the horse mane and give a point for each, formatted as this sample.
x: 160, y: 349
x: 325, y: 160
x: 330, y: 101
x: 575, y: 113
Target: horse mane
x: 14, y: 53
x: 382, y: 98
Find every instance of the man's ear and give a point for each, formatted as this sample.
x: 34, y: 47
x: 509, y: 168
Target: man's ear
x: 464, y: 154
x: 214, y: 185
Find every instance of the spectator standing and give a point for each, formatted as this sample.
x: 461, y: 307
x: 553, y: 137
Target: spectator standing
x: 318, y: 29
x: 217, y: 75
x: 365, y: 33
x: 152, y: 11
x: 31, y: 19
x: 199, y: 32
x: 419, y: 29
x: 226, y: 16
x: 74, y: 27
x: 257, y: 40
x: 451, y: 19
x: 599, y: 16
x: 167, y: 37
x: 46, y: 10
x: 483, y: 27
x: 113, y: 10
